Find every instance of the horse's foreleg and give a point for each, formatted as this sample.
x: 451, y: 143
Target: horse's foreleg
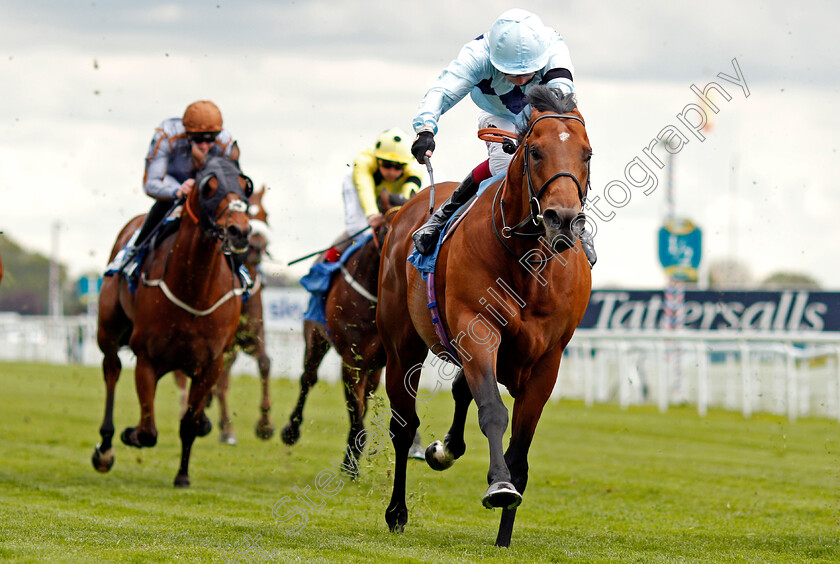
x: 264, y: 428
x: 316, y: 347
x: 226, y: 434
x: 442, y: 455
x: 195, y: 422
x: 527, y: 409
x: 493, y: 421
x: 103, y: 453
x: 145, y: 380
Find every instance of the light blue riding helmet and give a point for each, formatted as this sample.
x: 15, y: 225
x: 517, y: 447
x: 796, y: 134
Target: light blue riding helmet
x: 518, y: 42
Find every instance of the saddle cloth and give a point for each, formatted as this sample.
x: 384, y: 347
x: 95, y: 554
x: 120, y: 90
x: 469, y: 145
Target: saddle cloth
x: 319, y: 280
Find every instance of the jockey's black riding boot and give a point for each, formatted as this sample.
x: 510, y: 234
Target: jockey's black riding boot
x: 588, y: 244
x: 425, y: 238
x: 153, y: 219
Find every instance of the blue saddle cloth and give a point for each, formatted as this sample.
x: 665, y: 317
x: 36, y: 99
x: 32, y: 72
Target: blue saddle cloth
x: 319, y: 279
x: 426, y: 264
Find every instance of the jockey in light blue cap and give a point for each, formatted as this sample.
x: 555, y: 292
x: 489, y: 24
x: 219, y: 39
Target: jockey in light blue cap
x: 497, y: 70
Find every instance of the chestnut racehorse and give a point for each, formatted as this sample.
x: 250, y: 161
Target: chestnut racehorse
x: 250, y: 335
x: 351, y: 329
x: 184, y: 313
x: 511, y: 286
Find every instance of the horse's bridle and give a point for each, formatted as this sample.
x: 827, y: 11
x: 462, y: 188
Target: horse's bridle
x: 212, y: 226
x: 535, y: 214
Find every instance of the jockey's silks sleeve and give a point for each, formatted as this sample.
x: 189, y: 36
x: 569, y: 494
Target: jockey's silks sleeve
x: 472, y: 73
x: 369, y: 183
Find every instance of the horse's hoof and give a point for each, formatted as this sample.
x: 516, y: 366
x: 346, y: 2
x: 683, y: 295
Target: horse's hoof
x: 501, y: 494
x: 438, y: 457
x: 396, y: 519
x: 264, y: 430
x: 182, y: 481
x: 203, y: 426
x: 228, y: 438
x: 129, y: 437
x: 102, y: 461
x: 133, y: 437
x: 350, y: 467
x: 417, y: 452
x: 290, y: 434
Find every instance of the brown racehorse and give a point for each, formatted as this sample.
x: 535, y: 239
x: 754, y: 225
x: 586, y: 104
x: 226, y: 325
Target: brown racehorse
x: 250, y: 335
x: 184, y: 313
x: 511, y: 286
x: 351, y: 329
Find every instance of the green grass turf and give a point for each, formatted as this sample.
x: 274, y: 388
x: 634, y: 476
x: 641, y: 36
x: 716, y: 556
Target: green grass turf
x: 605, y: 485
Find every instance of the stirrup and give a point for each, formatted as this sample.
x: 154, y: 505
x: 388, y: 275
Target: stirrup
x: 123, y: 256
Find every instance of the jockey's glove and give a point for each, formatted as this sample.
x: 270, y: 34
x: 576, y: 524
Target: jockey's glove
x: 425, y: 141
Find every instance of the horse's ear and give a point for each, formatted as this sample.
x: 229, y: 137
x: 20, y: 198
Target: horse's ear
x: 204, y: 188
x: 249, y: 186
x: 199, y: 159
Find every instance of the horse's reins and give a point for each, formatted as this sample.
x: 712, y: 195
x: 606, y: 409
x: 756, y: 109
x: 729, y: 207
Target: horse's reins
x: 218, y: 232
x: 351, y: 278
x: 535, y: 216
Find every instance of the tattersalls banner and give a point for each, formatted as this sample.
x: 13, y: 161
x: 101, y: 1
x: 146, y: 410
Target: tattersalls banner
x: 789, y: 310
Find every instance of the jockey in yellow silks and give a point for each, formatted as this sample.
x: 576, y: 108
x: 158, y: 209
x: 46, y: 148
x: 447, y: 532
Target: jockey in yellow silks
x: 386, y: 167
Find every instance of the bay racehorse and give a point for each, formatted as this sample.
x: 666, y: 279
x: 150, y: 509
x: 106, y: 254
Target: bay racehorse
x: 511, y: 286
x: 184, y: 313
x: 250, y: 335
x: 351, y: 329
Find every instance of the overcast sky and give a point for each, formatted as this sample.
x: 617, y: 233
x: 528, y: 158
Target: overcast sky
x: 305, y: 85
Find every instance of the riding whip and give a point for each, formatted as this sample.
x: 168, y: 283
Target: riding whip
x: 428, y: 162
x: 353, y: 236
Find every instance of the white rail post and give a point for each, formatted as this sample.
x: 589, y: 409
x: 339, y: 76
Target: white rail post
x: 746, y: 379
x: 792, y: 403
x: 702, y: 380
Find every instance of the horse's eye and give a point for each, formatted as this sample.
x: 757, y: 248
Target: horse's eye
x: 535, y: 153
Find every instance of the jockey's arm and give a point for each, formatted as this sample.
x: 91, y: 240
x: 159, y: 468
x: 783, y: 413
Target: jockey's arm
x: 364, y: 167
x: 453, y: 84
x: 156, y: 182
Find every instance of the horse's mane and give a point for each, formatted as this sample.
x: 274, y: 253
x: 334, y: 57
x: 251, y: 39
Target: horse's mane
x: 545, y: 99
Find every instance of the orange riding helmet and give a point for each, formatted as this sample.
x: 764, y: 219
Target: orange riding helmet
x: 202, y: 117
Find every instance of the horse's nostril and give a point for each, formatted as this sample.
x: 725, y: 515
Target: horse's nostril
x: 234, y: 232
x: 552, y: 218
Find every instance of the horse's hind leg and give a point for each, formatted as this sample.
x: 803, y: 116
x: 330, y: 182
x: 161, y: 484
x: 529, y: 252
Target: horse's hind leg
x: 264, y: 428
x: 354, y: 398
x: 226, y: 434
x: 145, y: 434
x: 442, y: 455
x: 402, y: 375
x: 112, y: 331
x: 181, y: 382
x: 316, y: 347
x: 103, y: 453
